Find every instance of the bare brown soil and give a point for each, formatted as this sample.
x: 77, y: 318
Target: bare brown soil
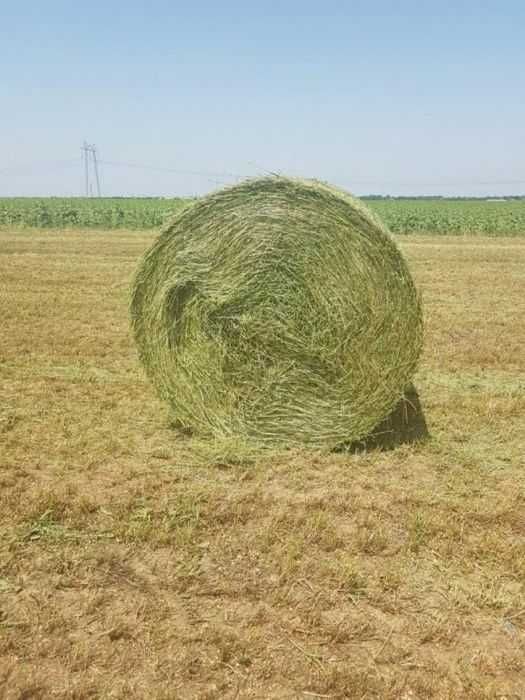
x: 135, y: 563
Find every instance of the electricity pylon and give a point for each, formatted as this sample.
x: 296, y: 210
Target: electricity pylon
x: 89, y: 154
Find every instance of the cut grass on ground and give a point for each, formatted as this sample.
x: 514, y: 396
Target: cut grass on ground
x: 135, y: 563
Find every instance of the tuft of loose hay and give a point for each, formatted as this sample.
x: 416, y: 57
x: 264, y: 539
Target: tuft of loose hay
x: 279, y: 311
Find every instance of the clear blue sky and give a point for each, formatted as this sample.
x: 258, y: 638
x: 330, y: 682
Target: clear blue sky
x: 390, y: 97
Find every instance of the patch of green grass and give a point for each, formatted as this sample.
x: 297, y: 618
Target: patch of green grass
x: 47, y: 528
x: 419, y: 532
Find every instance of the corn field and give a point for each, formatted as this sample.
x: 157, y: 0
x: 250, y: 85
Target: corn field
x: 403, y: 216
x: 453, y: 216
x: 84, y: 212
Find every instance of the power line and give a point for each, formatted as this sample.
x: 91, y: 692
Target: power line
x: 175, y: 171
x: 91, y: 162
x: 443, y: 183
x: 355, y: 180
x: 29, y: 169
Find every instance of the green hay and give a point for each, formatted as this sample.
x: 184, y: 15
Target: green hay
x: 280, y: 312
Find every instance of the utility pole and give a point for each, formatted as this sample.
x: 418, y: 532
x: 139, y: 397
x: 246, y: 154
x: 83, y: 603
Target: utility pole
x: 89, y: 153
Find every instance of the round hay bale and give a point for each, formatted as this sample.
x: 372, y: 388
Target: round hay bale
x: 279, y: 311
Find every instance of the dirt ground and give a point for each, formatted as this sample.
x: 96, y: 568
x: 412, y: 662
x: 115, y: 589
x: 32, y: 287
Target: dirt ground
x: 135, y: 563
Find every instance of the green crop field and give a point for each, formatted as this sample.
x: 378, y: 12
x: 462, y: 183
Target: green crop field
x: 83, y: 212
x: 403, y: 216
x: 453, y: 216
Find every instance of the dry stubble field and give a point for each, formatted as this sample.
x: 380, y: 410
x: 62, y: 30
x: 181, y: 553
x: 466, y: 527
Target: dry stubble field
x: 137, y: 564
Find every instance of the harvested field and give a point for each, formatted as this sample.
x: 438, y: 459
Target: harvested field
x: 138, y: 564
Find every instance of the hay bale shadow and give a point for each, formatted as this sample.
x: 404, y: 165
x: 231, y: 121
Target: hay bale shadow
x: 406, y: 424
